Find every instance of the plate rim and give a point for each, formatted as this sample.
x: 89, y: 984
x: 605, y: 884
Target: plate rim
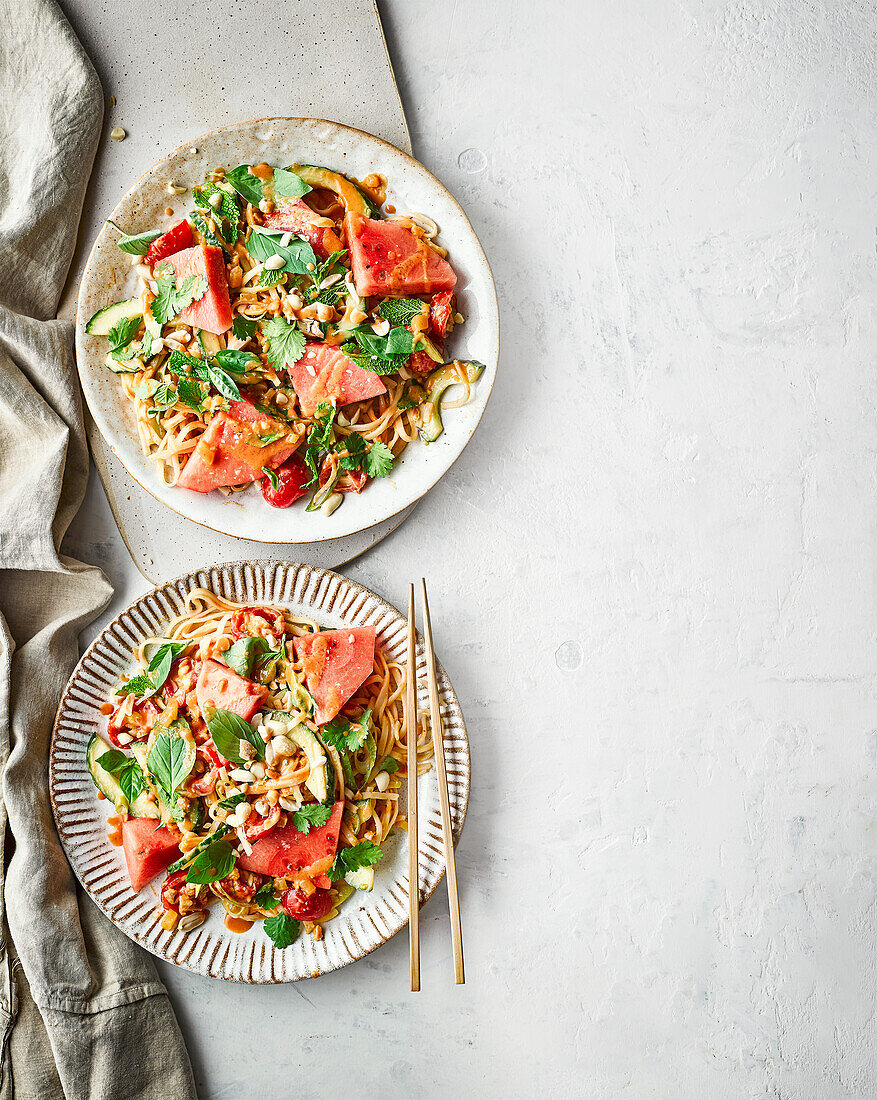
x: 79, y: 330
x: 261, y: 569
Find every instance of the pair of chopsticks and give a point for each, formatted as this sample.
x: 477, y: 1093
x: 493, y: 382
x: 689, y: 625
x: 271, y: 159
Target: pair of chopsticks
x: 447, y: 832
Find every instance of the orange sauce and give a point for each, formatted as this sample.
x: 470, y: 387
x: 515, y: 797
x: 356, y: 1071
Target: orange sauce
x: 237, y: 924
x: 100, y: 795
x: 115, y: 830
x: 390, y: 208
x: 107, y: 708
x: 263, y: 171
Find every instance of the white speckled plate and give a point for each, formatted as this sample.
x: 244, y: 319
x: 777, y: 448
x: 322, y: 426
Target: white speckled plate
x: 107, y: 278
x: 366, y: 920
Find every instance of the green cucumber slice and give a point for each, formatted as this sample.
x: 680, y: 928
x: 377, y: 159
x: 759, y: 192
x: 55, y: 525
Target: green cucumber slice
x: 101, y: 323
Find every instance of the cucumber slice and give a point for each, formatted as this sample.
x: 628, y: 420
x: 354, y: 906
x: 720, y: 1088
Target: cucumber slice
x: 355, y: 202
x: 105, y: 782
x: 431, y: 426
x: 300, y: 735
x: 109, y: 785
x: 130, y: 366
x: 105, y: 318
x: 363, y: 879
x: 189, y: 856
x: 210, y: 342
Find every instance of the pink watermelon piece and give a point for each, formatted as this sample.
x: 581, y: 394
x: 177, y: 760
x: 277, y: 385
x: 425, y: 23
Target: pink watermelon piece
x: 335, y: 663
x: 326, y: 374
x: 387, y: 258
x: 285, y: 851
x: 225, y: 454
x: 295, y: 216
x: 148, y: 849
x: 213, y: 311
x: 220, y: 687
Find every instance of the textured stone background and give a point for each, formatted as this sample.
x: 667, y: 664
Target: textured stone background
x: 653, y: 571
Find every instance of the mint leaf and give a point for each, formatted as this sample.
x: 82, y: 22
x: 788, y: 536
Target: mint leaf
x: 286, y: 344
x: 379, y: 460
x: 283, y: 929
x: 246, y: 184
x: 190, y: 393
x: 214, y: 863
x: 123, y: 332
x: 296, y: 255
x: 389, y: 764
x: 244, y: 327
x: 228, y: 208
x: 401, y: 311
x: 164, y: 396
x: 228, y: 730
x: 288, y: 185
x: 309, y: 816
x: 202, y: 225
x: 354, y: 444
x: 363, y: 854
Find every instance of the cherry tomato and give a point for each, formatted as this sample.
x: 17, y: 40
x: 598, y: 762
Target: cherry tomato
x: 172, y: 882
x: 203, y: 784
x: 304, y: 906
x: 212, y: 753
x: 256, y: 621
x: 441, y: 312
x: 258, y: 826
x: 292, y: 476
x: 177, y: 238
x: 138, y: 723
x: 241, y: 885
x: 420, y: 363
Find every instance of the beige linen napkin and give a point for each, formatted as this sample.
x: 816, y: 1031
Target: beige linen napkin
x: 105, y: 1027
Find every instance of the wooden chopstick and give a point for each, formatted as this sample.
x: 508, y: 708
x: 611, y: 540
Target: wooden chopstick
x: 447, y: 832
x: 413, y: 843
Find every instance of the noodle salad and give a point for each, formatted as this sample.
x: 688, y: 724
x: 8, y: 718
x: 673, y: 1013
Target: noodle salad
x: 289, y: 332
x: 256, y: 762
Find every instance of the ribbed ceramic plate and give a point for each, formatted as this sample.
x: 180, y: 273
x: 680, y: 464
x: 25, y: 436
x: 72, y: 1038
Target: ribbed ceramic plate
x: 366, y: 920
x: 108, y: 278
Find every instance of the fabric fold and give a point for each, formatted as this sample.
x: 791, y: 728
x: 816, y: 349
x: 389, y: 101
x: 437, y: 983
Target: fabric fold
x: 82, y: 1010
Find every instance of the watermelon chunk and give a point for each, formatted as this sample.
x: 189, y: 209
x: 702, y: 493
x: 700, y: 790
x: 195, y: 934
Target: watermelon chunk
x: 225, y: 454
x: 387, y: 258
x: 326, y: 374
x: 177, y: 238
x: 148, y: 849
x: 335, y: 663
x: 213, y: 311
x: 285, y: 851
x: 220, y: 687
x: 295, y: 216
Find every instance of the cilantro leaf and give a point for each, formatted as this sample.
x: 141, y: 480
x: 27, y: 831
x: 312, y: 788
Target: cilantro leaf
x: 363, y: 854
x: 228, y: 730
x: 137, y: 685
x: 123, y: 332
x: 214, y: 863
x: 171, y: 300
x: 313, y: 815
x: 401, y: 311
x: 379, y: 460
x: 244, y: 327
x: 272, y: 477
x: 288, y: 185
x: 346, y: 736
x: 296, y: 255
x: 266, y: 896
x: 283, y: 929
x: 246, y: 184
x: 354, y: 444
x: 286, y: 344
